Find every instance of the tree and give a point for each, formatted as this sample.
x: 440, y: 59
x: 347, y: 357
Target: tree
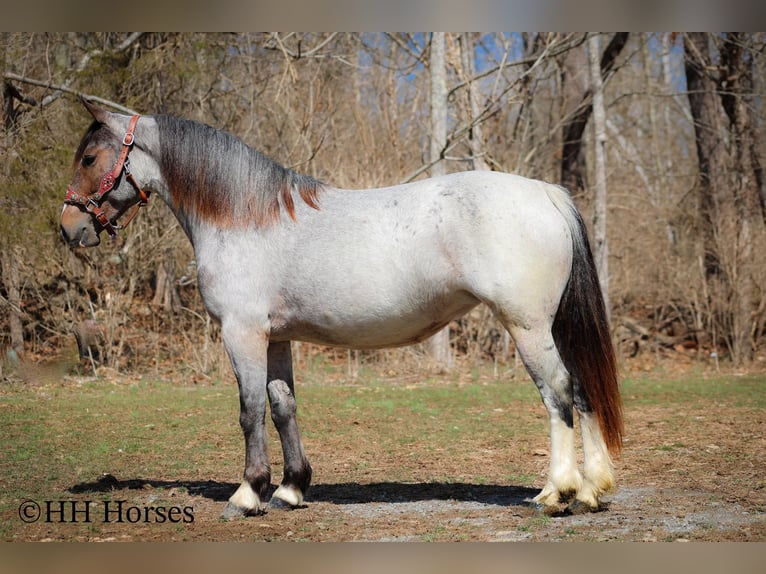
x: 472, y: 104
x: 600, y: 247
x: 439, y: 344
x: 707, y: 130
x: 729, y: 186
x: 572, y: 158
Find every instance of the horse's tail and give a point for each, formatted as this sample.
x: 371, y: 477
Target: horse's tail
x: 581, y: 332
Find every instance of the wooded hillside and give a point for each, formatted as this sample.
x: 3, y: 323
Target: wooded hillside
x: 658, y: 136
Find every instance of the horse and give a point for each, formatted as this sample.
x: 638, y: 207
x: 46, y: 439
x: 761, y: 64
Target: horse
x: 284, y: 257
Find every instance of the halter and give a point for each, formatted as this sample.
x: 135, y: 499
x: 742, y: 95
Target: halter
x: 92, y: 203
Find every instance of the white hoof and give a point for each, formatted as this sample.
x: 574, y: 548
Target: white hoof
x: 588, y: 496
x: 288, y: 494
x: 549, y: 496
x: 243, y: 502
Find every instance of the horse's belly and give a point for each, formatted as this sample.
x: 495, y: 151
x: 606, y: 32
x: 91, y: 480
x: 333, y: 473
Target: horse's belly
x: 372, y: 326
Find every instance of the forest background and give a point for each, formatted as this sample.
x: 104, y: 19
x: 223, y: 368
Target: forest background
x: 658, y: 136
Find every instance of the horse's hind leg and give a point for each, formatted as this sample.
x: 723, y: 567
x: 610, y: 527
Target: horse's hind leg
x: 281, y: 390
x: 598, y: 470
x: 544, y: 365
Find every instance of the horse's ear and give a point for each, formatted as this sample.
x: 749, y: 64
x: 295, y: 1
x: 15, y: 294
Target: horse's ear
x: 99, y: 114
x: 117, y: 123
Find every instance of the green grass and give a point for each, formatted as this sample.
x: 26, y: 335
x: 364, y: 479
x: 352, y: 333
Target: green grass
x: 60, y: 436
x: 738, y: 391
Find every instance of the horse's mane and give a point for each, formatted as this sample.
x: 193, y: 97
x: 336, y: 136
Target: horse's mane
x: 214, y: 176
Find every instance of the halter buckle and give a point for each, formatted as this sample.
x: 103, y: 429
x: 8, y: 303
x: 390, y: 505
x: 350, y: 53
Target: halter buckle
x: 91, y: 205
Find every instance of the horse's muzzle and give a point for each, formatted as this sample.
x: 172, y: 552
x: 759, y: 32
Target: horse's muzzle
x: 85, y: 236
x: 77, y: 227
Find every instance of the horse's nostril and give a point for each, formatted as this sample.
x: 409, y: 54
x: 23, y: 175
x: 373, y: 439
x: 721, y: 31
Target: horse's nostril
x: 73, y: 238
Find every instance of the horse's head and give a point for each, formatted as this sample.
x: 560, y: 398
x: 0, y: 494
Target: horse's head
x: 103, y: 187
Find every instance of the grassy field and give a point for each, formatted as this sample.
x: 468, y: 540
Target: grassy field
x: 159, y: 440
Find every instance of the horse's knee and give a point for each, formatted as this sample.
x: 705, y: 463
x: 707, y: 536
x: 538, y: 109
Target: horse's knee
x: 283, y: 405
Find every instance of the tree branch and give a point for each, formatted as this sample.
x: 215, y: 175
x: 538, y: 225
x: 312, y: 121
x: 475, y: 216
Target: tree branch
x: 296, y: 55
x: 489, y: 108
x: 551, y: 50
x: 66, y: 86
x: 65, y: 89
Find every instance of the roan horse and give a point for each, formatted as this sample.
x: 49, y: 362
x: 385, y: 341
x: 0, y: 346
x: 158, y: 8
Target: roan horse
x: 282, y: 257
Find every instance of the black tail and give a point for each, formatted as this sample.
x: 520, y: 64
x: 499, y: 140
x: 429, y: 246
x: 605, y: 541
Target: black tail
x: 581, y: 333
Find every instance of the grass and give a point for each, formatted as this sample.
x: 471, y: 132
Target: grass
x: 739, y: 391
x: 62, y: 434
x: 534, y: 523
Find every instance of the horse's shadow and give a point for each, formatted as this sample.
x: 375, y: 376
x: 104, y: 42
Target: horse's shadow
x: 339, y: 493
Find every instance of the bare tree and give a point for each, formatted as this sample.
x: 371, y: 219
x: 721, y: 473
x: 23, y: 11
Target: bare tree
x: 473, y: 104
x: 707, y: 128
x: 600, y: 247
x: 729, y: 187
x: 439, y: 344
x: 572, y: 163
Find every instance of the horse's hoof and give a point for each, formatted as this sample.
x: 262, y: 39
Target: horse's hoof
x: 582, y: 507
x: 279, y: 504
x: 232, y: 512
x: 547, y: 509
x: 286, y: 497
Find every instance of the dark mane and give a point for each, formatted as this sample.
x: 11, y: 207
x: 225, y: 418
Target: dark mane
x: 213, y: 175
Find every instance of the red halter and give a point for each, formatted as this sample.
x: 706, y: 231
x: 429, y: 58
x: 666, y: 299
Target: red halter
x: 92, y: 203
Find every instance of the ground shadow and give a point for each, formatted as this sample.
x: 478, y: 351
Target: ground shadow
x: 218, y: 491
x: 340, y: 493
x: 355, y: 493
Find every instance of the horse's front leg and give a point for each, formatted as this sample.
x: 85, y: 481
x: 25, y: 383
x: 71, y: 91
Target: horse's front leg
x: 281, y: 390
x: 246, y: 347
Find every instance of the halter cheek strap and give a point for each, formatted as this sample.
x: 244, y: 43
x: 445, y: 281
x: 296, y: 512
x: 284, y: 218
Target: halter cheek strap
x: 92, y: 203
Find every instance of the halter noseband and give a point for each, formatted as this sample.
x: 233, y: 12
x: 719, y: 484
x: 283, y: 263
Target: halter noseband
x: 92, y: 203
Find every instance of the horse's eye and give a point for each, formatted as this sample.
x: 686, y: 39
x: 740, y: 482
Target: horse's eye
x: 88, y: 160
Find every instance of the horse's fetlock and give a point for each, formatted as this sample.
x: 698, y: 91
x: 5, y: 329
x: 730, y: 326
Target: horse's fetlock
x: 299, y: 477
x: 259, y: 480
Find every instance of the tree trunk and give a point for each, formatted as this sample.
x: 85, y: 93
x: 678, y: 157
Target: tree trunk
x: 473, y: 105
x: 729, y: 188
x: 438, y: 103
x: 165, y: 293
x: 9, y: 274
x: 438, y: 345
x: 572, y: 164
x: 600, y: 244
x: 736, y: 97
x: 708, y: 129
